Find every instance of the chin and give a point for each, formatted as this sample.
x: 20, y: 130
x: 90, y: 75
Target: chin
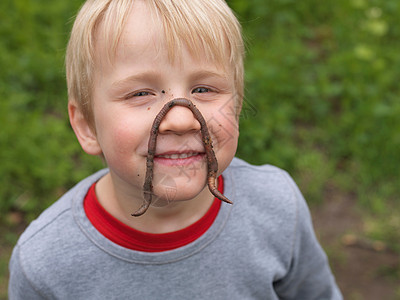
x: 178, y: 188
x: 170, y: 194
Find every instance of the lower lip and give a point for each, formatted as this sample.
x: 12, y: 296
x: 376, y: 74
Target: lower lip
x: 179, y: 161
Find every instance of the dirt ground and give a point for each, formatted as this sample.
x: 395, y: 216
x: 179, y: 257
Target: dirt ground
x: 364, y: 269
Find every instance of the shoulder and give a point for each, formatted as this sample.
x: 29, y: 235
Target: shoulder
x: 57, y: 213
x: 242, y: 169
x: 263, y: 182
x: 267, y: 204
x: 50, y: 239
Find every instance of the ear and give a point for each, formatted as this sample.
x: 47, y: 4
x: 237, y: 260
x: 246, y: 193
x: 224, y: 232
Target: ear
x: 86, y: 137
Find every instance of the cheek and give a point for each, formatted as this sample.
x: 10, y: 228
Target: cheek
x: 118, y: 136
x: 225, y: 148
x: 227, y: 135
x: 224, y: 129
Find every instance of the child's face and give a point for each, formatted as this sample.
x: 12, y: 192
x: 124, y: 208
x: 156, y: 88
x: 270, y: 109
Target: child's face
x: 129, y: 94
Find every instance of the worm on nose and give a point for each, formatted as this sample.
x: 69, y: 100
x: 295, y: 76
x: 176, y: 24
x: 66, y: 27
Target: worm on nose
x: 212, y: 164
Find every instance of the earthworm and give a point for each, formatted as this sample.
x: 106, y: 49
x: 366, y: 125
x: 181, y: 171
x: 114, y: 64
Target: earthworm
x: 212, y: 164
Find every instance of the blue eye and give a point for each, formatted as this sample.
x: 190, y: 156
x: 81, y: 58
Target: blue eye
x: 142, y: 93
x: 201, y: 90
x: 137, y: 94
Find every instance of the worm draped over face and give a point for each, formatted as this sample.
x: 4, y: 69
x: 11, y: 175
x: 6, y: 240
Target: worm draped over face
x: 212, y: 164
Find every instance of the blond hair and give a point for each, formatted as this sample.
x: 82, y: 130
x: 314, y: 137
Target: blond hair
x: 203, y: 26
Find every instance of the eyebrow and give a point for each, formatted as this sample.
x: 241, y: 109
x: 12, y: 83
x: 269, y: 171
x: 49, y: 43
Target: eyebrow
x: 202, y: 74
x: 146, y: 76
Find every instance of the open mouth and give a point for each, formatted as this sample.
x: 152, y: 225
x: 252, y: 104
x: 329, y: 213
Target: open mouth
x: 173, y: 159
x: 178, y: 155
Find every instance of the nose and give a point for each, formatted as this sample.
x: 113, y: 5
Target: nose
x: 179, y: 120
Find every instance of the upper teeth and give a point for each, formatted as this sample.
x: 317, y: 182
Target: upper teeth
x: 180, y: 155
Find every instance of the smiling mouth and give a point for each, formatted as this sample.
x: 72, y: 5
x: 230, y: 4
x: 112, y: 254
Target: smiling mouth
x: 178, y: 155
x: 179, y: 159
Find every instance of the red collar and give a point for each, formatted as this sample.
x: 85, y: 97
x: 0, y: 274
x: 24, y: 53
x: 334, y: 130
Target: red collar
x: 130, y: 238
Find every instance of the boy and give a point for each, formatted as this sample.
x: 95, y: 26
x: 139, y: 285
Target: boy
x: 125, y: 60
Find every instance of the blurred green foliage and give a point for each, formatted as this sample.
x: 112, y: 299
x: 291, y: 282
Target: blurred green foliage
x: 322, y: 100
x: 39, y: 154
x: 323, y: 77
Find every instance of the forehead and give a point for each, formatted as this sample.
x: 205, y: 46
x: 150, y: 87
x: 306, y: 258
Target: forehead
x: 142, y: 31
x: 146, y: 25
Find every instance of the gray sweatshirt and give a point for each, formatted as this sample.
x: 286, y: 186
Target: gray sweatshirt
x: 262, y: 247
